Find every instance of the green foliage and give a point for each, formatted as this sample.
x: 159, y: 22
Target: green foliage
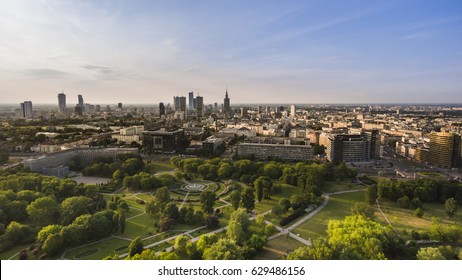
x: 355, y: 237
x: 73, y: 207
x: 248, y: 199
x: 44, y: 211
x: 135, y: 247
x: 284, y: 203
x: 451, y: 207
x: 235, y: 199
x: 53, y: 244
x: 43, y: 234
x: 404, y: 202
x: 208, y: 199
x: 224, y: 249
x: 429, y: 253
x: 3, y: 156
x: 180, y: 246
x: 162, y: 197
x: 171, y: 211
x: 419, y: 212
x: 371, y: 194
x: 363, y: 209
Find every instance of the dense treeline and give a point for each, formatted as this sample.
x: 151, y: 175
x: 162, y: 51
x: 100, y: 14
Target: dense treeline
x: 30, y: 202
x: 414, y: 192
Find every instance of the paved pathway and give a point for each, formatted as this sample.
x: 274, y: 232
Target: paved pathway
x: 386, y: 219
x: 287, y: 231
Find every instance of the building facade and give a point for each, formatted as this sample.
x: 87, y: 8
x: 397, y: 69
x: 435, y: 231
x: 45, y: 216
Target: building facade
x: 445, y: 149
x: 162, y: 141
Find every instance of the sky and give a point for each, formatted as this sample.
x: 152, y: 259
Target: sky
x: 262, y: 51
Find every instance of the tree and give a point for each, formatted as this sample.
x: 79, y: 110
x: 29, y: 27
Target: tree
x: 53, y: 244
x: 263, y: 185
x: 43, y: 234
x: 272, y: 170
x: 259, y: 188
x: 430, y: 253
x: 211, y: 222
x: 122, y: 222
x: 248, y: 199
x: 277, y: 210
x: 135, y: 247
x: 404, y: 202
x: 180, y: 246
x: 75, y: 206
x: 284, y: 203
x: 44, y: 211
x: 240, y: 216
x: 165, y: 223
x: 171, y: 211
x: 117, y: 177
x: 363, y: 209
x: 235, y: 232
x: 162, y: 197
x: 451, y: 207
x: 235, y: 199
x: 225, y: 171
x: 208, y: 199
x: 419, y: 212
x: 224, y: 249
x: 371, y: 194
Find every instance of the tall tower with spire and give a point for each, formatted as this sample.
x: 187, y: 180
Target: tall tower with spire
x: 226, y: 106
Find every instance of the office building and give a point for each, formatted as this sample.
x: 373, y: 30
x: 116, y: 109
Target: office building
x: 119, y: 105
x: 199, y: 106
x: 163, y: 141
x: 349, y: 147
x: 293, y: 110
x: 191, y: 101
x: 161, y: 109
x: 61, y: 103
x: 80, y: 99
x: 445, y: 149
x: 26, y: 110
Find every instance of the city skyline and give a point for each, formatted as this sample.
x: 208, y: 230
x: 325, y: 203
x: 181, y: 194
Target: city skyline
x: 301, y: 52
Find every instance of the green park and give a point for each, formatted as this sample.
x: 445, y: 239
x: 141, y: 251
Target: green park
x: 192, y: 208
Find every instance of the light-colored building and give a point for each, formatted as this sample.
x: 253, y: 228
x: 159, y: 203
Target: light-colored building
x: 62, y: 158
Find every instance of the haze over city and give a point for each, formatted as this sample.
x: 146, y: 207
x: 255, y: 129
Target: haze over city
x: 263, y: 51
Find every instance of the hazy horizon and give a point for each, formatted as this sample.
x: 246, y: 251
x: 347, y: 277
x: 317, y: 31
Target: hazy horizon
x: 272, y: 52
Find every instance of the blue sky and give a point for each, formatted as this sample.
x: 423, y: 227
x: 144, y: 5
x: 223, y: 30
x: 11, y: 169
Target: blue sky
x: 263, y: 51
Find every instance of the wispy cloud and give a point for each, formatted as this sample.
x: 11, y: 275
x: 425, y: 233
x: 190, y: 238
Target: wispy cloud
x: 45, y: 73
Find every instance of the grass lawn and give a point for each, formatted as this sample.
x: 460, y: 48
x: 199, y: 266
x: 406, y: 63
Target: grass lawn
x: 404, y: 219
x: 99, y: 250
x: 142, y: 226
x: 275, y: 249
x: 338, y: 207
x: 13, y: 251
x: 346, y: 185
x: 158, y: 166
x: 432, y: 175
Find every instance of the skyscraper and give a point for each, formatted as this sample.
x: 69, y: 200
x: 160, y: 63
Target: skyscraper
x: 191, y: 102
x: 26, y: 110
x: 81, y: 105
x: 161, y: 109
x: 119, y: 105
x: 293, y: 110
x: 444, y: 149
x: 199, y: 106
x: 61, y: 103
x: 226, y: 104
